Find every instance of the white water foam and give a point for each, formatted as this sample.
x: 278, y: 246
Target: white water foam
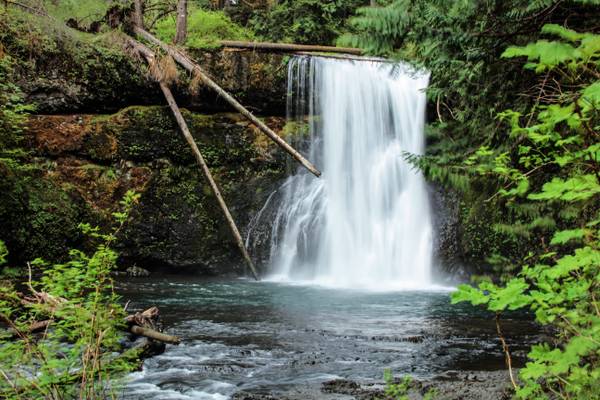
x: 366, y: 223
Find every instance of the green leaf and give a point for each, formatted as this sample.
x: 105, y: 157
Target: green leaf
x: 511, y: 296
x: 590, y: 98
x: 574, y: 189
x: 549, y: 54
x: 562, y: 32
x: 565, y: 236
x: 470, y: 294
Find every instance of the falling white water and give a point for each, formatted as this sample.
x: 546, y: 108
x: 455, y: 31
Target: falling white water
x: 366, y: 222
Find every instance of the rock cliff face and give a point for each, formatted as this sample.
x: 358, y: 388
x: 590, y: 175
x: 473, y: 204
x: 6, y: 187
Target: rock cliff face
x: 178, y: 224
x: 100, y: 79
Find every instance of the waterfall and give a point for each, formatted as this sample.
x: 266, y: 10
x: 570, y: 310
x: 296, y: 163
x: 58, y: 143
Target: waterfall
x: 366, y: 222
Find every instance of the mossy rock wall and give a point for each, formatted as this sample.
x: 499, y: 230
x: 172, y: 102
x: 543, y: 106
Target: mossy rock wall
x: 467, y: 238
x: 64, y: 71
x: 178, y: 225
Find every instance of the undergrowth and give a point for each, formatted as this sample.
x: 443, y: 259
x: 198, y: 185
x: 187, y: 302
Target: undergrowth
x: 205, y: 29
x: 77, y: 353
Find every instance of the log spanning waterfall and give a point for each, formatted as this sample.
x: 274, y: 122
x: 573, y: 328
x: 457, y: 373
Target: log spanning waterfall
x: 366, y: 222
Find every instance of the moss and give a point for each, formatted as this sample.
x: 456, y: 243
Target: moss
x: 144, y: 134
x: 205, y: 29
x: 39, y: 217
x: 84, y: 12
x: 64, y: 70
x: 479, y: 239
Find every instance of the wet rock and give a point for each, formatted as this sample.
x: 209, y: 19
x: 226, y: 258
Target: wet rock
x: 451, y: 385
x: 137, y: 272
x: 340, y: 385
x: 74, y: 74
x: 256, y: 396
x: 352, y: 389
x: 445, y: 205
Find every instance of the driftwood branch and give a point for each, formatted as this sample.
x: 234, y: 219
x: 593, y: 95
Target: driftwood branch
x: 153, y: 334
x: 349, y: 57
x: 194, y: 68
x: 285, y: 47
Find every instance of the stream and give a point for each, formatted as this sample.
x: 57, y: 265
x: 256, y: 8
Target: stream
x: 286, y: 340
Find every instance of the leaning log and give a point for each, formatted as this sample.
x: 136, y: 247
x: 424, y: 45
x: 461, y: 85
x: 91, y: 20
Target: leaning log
x: 150, y: 57
x: 194, y: 68
x: 213, y: 185
x: 291, y: 48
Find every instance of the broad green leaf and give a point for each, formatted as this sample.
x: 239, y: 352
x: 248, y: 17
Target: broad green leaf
x: 510, y: 297
x: 574, y: 189
x: 563, y: 237
x: 470, y: 294
x: 590, y: 98
x: 562, y: 32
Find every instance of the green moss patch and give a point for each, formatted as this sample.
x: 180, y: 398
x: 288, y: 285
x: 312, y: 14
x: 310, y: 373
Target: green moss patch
x: 205, y: 29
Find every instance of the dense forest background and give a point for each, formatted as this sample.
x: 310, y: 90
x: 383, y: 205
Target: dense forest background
x: 513, y: 134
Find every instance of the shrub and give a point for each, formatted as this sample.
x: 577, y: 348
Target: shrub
x: 77, y: 354
x: 553, y: 166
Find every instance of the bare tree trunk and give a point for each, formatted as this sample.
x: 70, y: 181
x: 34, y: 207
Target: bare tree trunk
x: 181, y: 30
x: 219, y: 4
x: 373, y: 3
x: 138, y: 14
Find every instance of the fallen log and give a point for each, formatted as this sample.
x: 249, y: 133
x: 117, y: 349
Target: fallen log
x: 153, y: 334
x: 150, y: 57
x: 287, y: 47
x: 194, y: 68
x: 344, y: 57
x: 144, y: 323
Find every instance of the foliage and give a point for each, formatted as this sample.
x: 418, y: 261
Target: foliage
x: 461, y: 42
x: 554, y: 164
x: 13, y: 111
x: 304, y: 21
x: 205, y: 29
x: 3, y: 253
x: 396, y: 391
x: 543, y: 176
x: 76, y: 355
x: 84, y: 12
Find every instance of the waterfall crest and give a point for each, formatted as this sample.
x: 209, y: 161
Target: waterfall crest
x: 366, y: 222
